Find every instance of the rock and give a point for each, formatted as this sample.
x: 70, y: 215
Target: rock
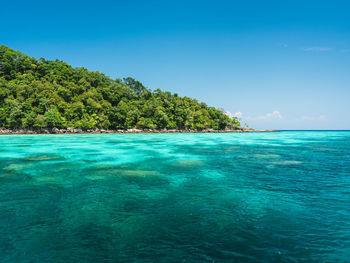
x: 78, y: 130
x: 55, y: 130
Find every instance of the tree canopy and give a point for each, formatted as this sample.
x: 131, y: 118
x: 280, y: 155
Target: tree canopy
x: 39, y: 93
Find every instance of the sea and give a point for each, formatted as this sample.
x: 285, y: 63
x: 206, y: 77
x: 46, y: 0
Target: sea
x: 202, y: 197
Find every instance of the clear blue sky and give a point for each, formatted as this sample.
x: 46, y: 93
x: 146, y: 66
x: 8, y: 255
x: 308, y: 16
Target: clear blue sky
x: 276, y: 64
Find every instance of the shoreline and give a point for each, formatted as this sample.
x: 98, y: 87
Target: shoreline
x: 128, y: 131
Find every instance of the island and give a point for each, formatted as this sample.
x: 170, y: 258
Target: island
x: 45, y: 96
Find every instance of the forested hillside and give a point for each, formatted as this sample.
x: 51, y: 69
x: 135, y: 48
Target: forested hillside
x: 38, y: 93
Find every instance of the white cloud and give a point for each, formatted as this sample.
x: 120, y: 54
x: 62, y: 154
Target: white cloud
x: 275, y: 115
x: 317, y: 49
x: 313, y: 118
x: 236, y: 114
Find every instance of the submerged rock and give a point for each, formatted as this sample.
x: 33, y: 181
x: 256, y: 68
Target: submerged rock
x: 16, y: 167
x: 121, y: 171
x: 47, y: 179
x: 42, y: 157
x: 287, y: 162
x: 188, y: 163
x: 266, y: 156
x: 126, y: 172
x: 139, y: 173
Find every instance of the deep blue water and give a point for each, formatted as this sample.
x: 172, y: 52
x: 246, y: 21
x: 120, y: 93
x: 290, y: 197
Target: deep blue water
x: 252, y: 197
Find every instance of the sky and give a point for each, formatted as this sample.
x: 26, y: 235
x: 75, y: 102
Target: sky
x: 274, y: 64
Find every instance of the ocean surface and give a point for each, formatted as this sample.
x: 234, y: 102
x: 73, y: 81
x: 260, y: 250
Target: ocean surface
x: 250, y: 197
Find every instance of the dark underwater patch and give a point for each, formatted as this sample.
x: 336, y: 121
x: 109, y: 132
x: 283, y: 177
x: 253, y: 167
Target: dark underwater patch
x: 42, y: 158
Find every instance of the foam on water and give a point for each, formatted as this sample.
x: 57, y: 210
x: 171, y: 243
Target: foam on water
x: 254, y: 197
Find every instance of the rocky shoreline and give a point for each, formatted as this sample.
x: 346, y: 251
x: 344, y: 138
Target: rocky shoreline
x: 97, y: 131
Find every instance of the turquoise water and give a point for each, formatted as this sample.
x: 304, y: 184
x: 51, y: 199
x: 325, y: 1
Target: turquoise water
x: 253, y: 197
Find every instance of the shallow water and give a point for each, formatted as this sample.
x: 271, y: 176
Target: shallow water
x: 254, y: 197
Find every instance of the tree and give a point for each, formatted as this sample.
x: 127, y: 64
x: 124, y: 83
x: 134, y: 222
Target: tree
x: 53, y: 118
x: 38, y: 93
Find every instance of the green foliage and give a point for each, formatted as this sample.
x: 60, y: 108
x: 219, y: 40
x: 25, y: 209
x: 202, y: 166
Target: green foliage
x: 53, y: 118
x: 37, y: 93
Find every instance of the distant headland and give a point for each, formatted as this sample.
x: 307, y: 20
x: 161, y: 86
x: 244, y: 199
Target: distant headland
x: 43, y: 96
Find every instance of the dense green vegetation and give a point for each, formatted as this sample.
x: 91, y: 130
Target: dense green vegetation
x: 37, y: 93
